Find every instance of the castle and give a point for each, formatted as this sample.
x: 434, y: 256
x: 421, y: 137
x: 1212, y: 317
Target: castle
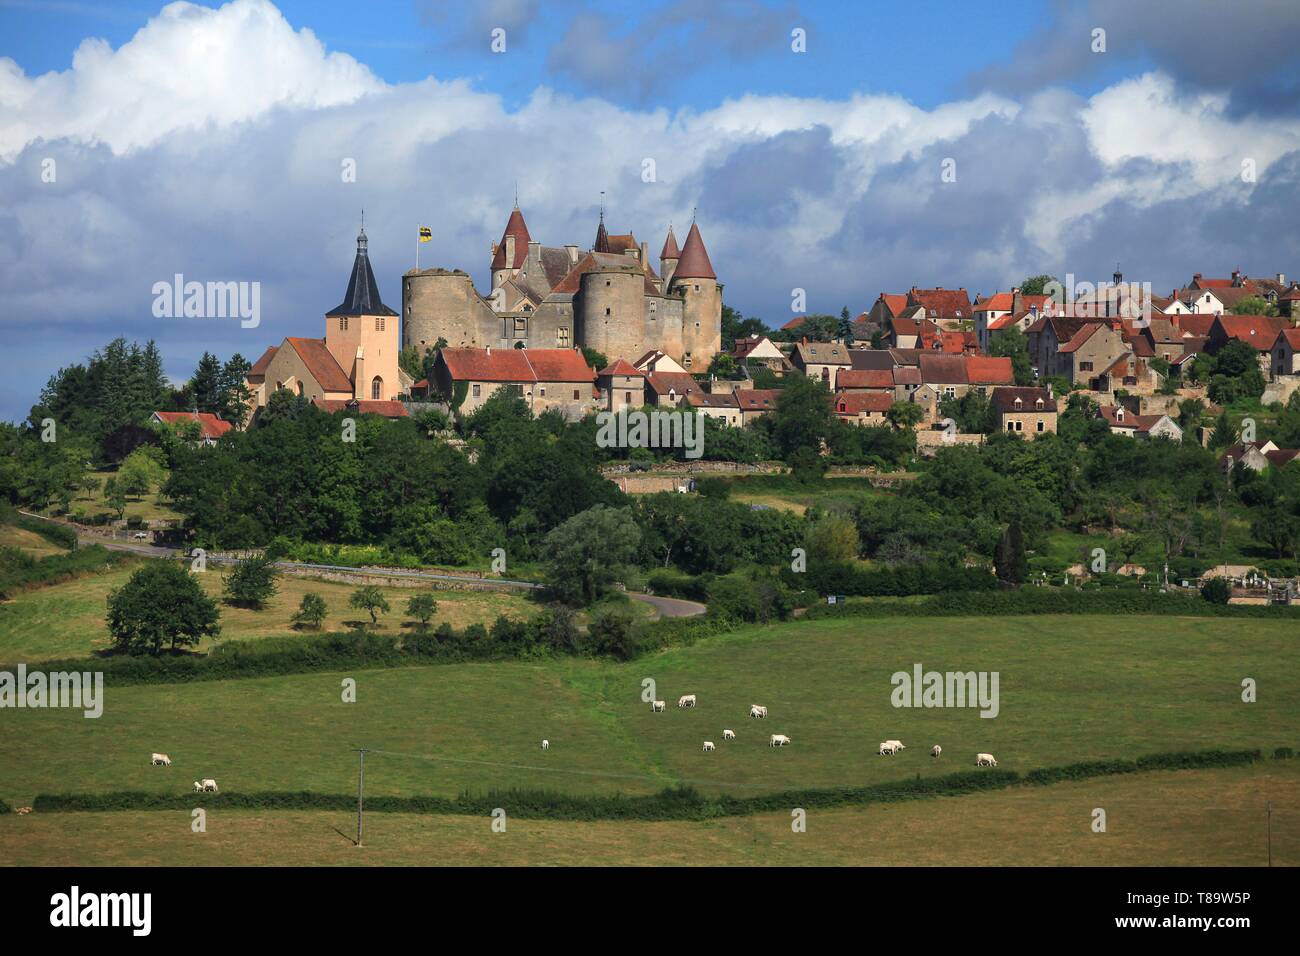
x: 609, y: 298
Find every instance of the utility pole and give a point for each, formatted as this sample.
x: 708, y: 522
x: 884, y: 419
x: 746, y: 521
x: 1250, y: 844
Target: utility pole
x: 361, y: 783
x: 1268, y: 809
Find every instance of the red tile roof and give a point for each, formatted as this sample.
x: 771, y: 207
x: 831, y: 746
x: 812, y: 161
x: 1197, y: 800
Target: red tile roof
x: 210, y: 426
x: 865, y: 378
x: 941, y: 369
x: 260, y: 366
x: 516, y: 227
x: 941, y: 303
x: 895, y: 303
x: 621, y: 367
x: 559, y: 365
x: 670, y: 250
x: 854, y: 403
x: 1004, y: 400
x: 1291, y: 337
x: 321, y: 364
x: 679, y: 382
x: 1139, y: 423
x: 517, y: 365
x: 388, y: 409
x: 1194, y: 323
x: 694, y: 263
x: 1257, y: 331
x: 1080, y: 337
x: 757, y: 399
x: 983, y: 370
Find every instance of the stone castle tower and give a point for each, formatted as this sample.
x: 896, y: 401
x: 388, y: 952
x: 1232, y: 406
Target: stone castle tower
x: 609, y: 298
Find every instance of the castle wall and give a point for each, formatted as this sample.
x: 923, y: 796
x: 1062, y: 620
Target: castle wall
x: 441, y: 304
x: 610, y: 306
x: 701, y: 322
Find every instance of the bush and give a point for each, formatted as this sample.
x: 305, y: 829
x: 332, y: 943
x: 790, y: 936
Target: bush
x: 672, y: 583
x: 1216, y: 591
x: 611, y: 632
x: 900, y: 580
x: 251, y: 583
x: 753, y: 597
x: 19, y: 570
x: 1283, y: 753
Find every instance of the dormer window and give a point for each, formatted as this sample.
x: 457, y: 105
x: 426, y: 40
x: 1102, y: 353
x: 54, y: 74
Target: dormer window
x: 1019, y: 403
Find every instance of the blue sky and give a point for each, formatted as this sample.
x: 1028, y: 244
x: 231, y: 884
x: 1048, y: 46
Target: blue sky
x: 207, y: 140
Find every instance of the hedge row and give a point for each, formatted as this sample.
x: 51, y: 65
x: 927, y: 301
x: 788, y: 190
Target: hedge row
x: 5, y: 808
x: 890, y: 581
x: 54, y: 532
x: 19, y: 570
x: 1033, y: 600
x: 682, y: 803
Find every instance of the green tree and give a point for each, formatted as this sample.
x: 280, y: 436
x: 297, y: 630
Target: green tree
x: 1011, y: 343
x: 590, y: 551
x: 1034, y: 285
x: 1216, y: 591
x: 1009, y: 561
x: 311, y: 611
x: 370, y: 599
x: 115, y: 496
x: 905, y: 414
x: 251, y: 583
x: 1255, y: 305
x: 804, y: 416
x: 612, y: 633
x: 421, y: 608
x: 161, y: 604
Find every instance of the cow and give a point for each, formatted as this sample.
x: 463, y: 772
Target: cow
x: 757, y: 712
x: 985, y: 760
x: 886, y: 749
x: 708, y: 746
x: 209, y: 785
x: 160, y: 760
x: 198, y: 787
x: 686, y: 700
x: 656, y: 706
x: 728, y: 735
x: 936, y: 750
x: 896, y: 744
x: 778, y: 740
x: 546, y: 745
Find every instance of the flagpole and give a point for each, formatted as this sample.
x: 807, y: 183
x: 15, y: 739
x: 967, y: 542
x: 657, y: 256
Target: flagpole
x: 417, y: 248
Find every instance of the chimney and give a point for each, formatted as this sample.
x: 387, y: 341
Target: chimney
x: 1281, y: 278
x: 645, y: 254
x: 510, y: 252
x: 489, y: 350
x: 1196, y: 277
x: 573, y: 254
x: 1236, y: 277
x: 1017, y: 301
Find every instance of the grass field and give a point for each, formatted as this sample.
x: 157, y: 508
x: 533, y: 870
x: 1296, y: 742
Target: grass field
x: 1193, y: 818
x: 150, y: 507
x: 28, y: 541
x: 1072, y: 688
x: 67, y: 620
x: 785, y: 493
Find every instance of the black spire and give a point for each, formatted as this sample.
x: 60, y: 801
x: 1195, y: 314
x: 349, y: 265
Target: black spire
x: 362, y: 297
x: 602, y: 237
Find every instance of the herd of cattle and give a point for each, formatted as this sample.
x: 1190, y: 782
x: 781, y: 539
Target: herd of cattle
x: 888, y: 748
x: 206, y: 785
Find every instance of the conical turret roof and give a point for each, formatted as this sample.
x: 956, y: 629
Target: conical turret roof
x: 670, y: 250
x: 515, y: 226
x: 694, y: 263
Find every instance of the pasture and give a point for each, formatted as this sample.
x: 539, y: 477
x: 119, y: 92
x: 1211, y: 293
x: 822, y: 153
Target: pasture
x: 1072, y: 688
x: 1193, y: 818
x: 67, y: 620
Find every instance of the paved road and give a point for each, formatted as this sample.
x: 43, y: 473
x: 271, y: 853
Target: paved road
x: 664, y: 606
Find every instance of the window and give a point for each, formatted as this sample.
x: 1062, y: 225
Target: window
x: 576, y: 393
x: 1085, y: 366
x: 1042, y: 426
x: 607, y: 310
x: 477, y: 390
x: 521, y: 325
x: 627, y: 398
x: 376, y: 388
x: 343, y: 323
x: 543, y: 391
x: 562, y: 337
x: 379, y: 323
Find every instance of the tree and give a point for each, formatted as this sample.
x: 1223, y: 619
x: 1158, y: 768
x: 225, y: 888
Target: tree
x: 142, y: 471
x: 371, y: 599
x: 160, y: 604
x: 589, y: 551
x: 1011, y: 343
x: 596, y: 360
x: 421, y: 608
x: 1009, y: 561
x: 1034, y: 285
x: 1255, y: 305
x: 905, y: 414
x: 611, y: 633
x: 804, y: 416
x: 252, y: 583
x: 833, y: 539
x: 845, y: 328
x: 115, y: 496
x: 311, y: 611
x: 1216, y: 591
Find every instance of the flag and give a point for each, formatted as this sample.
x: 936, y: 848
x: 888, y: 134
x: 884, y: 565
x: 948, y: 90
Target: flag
x: 426, y: 234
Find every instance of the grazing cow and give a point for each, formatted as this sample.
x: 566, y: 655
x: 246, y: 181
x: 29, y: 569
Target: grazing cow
x: 209, y: 785
x: 198, y: 787
x: 160, y: 760
x: 708, y: 745
x: 936, y: 750
x: 728, y: 735
x: 546, y: 745
x: 756, y: 711
x: 985, y: 760
x: 886, y: 749
x: 686, y: 700
x: 778, y: 740
x: 656, y: 706
x: 896, y: 744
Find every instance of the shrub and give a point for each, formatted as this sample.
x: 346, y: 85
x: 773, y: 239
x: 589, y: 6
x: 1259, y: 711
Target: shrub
x: 1216, y: 591
x: 672, y: 583
x: 311, y: 611
x: 611, y: 632
x: 251, y: 583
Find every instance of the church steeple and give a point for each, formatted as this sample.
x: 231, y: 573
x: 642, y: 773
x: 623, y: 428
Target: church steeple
x: 362, y: 297
x: 602, y: 237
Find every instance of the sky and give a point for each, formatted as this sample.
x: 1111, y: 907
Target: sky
x: 842, y: 149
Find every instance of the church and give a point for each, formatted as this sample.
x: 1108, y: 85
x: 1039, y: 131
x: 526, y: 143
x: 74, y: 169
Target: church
x: 354, y: 366
x: 609, y: 298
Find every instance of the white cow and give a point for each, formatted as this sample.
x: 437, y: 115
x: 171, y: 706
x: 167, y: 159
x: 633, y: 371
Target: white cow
x: 728, y: 735
x: 896, y: 744
x: 686, y: 700
x: 160, y: 760
x: 546, y: 745
x: 886, y: 749
x: 936, y: 750
x: 985, y: 760
x: 207, y: 786
x: 656, y: 706
x: 708, y: 745
x: 778, y: 740
x: 198, y: 787
x: 757, y: 711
